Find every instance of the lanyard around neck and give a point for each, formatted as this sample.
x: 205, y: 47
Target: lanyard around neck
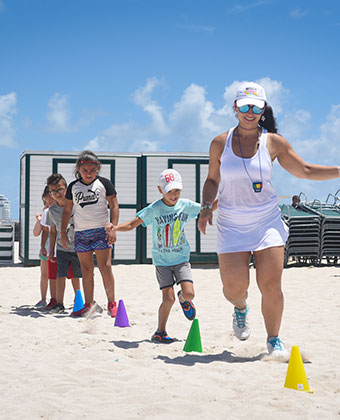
x: 257, y: 185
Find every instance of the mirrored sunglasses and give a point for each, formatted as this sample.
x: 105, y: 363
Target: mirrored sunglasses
x: 245, y: 108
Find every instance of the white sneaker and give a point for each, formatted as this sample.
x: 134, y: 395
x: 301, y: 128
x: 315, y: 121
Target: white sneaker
x: 240, y: 323
x: 276, y: 349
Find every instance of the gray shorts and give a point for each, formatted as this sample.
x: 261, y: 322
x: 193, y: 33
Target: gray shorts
x: 65, y: 261
x: 168, y: 275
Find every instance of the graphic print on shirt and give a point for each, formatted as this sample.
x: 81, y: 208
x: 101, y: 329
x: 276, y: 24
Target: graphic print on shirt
x: 170, y: 232
x: 88, y: 198
x: 176, y: 231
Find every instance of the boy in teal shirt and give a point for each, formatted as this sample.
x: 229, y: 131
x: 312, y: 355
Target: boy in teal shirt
x: 170, y: 248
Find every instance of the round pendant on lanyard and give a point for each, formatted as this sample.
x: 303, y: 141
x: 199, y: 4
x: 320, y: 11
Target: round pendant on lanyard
x: 257, y: 185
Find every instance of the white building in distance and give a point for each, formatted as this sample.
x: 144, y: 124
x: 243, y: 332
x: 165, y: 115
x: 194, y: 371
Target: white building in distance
x: 5, y: 208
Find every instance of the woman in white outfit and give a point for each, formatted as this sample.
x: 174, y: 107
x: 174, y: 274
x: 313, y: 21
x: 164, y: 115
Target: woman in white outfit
x: 249, y: 219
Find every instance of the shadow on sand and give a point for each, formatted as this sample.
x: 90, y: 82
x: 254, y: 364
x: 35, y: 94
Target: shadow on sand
x: 225, y: 356
x: 33, y: 312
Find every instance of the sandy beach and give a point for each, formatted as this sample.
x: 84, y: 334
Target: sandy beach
x: 56, y: 367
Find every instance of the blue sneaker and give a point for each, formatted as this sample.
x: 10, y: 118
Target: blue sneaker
x: 188, y: 307
x: 240, y: 323
x: 41, y: 304
x: 162, y: 337
x: 276, y: 349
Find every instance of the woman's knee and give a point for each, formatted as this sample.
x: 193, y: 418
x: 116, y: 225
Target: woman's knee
x: 235, y: 293
x: 271, y: 288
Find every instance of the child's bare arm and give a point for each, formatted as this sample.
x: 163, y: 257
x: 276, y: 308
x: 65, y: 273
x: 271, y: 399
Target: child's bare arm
x: 127, y: 226
x: 65, y: 218
x: 114, y: 208
x: 44, y: 237
x: 37, y: 227
x: 53, y: 236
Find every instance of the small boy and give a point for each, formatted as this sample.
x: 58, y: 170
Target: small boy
x: 170, y: 251
x: 66, y: 258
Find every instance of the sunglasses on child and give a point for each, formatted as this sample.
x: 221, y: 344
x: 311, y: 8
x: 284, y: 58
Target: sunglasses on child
x: 245, y: 108
x: 58, y: 191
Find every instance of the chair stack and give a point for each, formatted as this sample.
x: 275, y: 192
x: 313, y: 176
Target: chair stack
x: 330, y: 230
x: 304, y: 233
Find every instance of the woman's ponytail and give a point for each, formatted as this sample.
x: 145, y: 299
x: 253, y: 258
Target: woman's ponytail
x: 268, y: 121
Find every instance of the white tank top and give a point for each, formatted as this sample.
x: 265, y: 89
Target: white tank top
x: 237, y: 201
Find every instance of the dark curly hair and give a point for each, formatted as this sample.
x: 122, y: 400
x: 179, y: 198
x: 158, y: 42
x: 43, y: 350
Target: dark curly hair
x: 54, y: 179
x: 268, y: 120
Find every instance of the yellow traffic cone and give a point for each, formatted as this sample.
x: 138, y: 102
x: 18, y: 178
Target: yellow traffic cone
x: 296, y: 376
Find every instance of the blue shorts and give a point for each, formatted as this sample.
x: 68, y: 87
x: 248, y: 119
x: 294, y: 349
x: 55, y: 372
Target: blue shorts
x: 90, y: 240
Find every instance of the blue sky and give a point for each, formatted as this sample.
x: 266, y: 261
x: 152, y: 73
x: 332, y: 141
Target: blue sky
x: 151, y: 75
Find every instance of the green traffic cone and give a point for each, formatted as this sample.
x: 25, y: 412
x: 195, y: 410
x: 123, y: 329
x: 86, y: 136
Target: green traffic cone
x: 193, y: 342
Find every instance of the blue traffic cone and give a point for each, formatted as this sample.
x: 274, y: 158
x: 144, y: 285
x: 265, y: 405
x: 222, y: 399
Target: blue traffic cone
x: 78, y: 302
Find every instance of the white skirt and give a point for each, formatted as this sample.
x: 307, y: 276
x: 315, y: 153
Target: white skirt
x: 250, y: 230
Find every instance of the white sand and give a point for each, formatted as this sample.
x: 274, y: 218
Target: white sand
x: 57, y: 367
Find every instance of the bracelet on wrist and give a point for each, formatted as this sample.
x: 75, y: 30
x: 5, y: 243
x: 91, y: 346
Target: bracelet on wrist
x: 206, y: 205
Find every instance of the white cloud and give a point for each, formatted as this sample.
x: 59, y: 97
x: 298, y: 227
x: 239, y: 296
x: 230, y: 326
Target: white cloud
x: 2, y: 6
x: 7, y: 110
x: 294, y: 125
x: 298, y: 13
x: 322, y: 148
x: 276, y: 93
x: 240, y: 8
x: 331, y: 128
x: 330, y: 136
x: 58, y: 116
x: 142, y: 98
x: 194, y: 120
x: 189, y: 126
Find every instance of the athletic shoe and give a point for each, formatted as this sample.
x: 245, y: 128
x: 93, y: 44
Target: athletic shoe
x: 112, y: 309
x: 41, y: 304
x: 83, y: 311
x: 87, y: 309
x: 240, y: 323
x: 52, y: 303
x: 188, y: 307
x: 58, y: 309
x: 276, y: 349
x: 162, y: 337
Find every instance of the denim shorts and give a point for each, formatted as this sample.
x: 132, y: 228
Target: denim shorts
x: 65, y: 261
x: 90, y: 240
x: 168, y: 275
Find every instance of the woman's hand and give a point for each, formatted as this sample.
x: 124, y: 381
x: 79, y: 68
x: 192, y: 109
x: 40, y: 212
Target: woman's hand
x: 206, y: 217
